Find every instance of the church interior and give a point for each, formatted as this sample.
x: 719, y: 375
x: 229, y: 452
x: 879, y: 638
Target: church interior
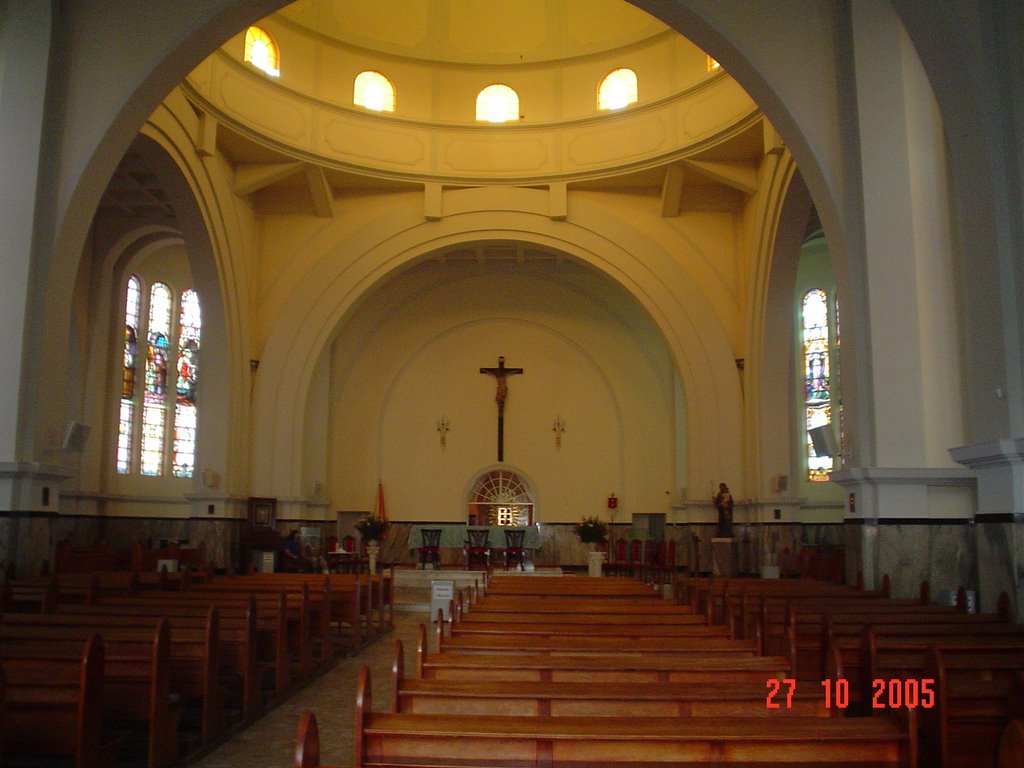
x: 284, y: 266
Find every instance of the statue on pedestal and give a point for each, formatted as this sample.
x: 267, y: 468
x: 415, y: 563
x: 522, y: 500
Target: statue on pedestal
x: 723, y: 503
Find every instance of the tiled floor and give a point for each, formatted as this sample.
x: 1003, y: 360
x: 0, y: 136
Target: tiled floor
x: 270, y: 742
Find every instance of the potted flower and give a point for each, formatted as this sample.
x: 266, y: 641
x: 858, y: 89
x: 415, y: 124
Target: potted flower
x: 372, y: 528
x: 592, y: 530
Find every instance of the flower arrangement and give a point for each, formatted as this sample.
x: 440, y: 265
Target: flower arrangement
x: 372, y: 528
x: 591, y: 530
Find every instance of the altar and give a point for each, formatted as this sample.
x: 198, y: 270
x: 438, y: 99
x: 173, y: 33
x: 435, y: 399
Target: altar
x: 455, y: 536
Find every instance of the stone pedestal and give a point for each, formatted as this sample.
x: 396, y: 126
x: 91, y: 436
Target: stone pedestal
x: 372, y: 551
x: 724, y: 556
x: 594, y: 560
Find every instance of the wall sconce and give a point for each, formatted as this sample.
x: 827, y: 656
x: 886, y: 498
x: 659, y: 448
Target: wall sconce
x: 442, y: 430
x: 558, y: 429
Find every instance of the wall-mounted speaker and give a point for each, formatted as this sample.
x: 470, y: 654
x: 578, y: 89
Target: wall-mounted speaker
x: 824, y: 440
x: 75, y: 437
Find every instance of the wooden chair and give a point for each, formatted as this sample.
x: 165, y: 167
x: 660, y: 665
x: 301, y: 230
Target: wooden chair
x: 636, y: 559
x: 617, y: 565
x: 515, y: 553
x: 663, y: 567
x: 358, y: 560
x: 430, y: 549
x: 476, y: 548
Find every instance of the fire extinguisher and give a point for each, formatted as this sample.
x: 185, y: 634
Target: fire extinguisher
x: 613, y: 502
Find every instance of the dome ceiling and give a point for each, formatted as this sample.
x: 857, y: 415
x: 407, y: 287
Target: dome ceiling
x: 297, y: 142
x: 491, y: 33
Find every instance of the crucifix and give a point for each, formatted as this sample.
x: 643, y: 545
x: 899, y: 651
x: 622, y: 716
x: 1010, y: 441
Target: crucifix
x: 500, y: 373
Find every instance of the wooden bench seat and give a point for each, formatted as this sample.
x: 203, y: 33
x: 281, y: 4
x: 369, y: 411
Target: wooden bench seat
x: 498, y: 697
x: 388, y: 739
x: 607, y: 646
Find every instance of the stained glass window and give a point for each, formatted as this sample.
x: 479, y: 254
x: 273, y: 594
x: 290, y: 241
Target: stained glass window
x: 126, y: 415
x: 618, y: 89
x: 817, y: 385
x: 189, y: 326
x: 155, y: 395
x: 374, y: 91
x: 262, y: 52
x: 497, y: 103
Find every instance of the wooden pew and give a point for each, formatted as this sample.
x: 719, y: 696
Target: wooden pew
x: 279, y: 630
x: 136, y: 684
x: 973, y: 684
x: 503, y: 698
x: 606, y: 588
x: 194, y: 650
x: 358, y: 602
x: 388, y: 739
x: 237, y: 635
x: 53, y: 704
x: 594, y: 667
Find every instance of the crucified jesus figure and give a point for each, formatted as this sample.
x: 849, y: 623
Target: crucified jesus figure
x: 501, y: 374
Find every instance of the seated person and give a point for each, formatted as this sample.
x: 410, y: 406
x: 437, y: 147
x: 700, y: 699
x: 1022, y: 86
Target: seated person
x: 292, y: 553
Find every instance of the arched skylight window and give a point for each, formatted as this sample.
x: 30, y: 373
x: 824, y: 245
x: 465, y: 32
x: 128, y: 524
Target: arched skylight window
x: 189, y: 328
x: 262, y: 52
x: 618, y: 89
x: 126, y: 413
x: 374, y: 91
x: 817, y: 384
x: 497, y: 103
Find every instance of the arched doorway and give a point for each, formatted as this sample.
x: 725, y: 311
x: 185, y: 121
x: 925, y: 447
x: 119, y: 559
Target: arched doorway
x: 500, y: 497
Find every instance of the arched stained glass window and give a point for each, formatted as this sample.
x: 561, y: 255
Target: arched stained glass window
x: 189, y: 327
x: 500, y: 498
x: 262, y: 52
x: 374, y: 91
x: 154, y: 408
x: 497, y: 103
x: 618, y: 89
x: 817, y: 383
x: 126, y: 414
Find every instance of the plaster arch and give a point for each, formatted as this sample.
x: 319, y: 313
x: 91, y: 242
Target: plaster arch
x: 314, y: 311
x: 206, y: 232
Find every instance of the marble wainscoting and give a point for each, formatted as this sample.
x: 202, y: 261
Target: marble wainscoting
x: 1000, y: 548
x: 758, y: 544
x: 947, y: 555
x: 25, y: 541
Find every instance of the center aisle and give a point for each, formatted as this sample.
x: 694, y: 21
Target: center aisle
x: 270, y: 742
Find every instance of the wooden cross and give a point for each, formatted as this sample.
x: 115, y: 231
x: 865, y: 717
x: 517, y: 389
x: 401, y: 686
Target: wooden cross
x: 500, y: 373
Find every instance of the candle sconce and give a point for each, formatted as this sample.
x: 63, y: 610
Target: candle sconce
x: 558, y: 429
x: 442, y: 430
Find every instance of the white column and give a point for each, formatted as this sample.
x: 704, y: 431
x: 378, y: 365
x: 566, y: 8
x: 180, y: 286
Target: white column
x: 25, y: 37
x: 913, y: 377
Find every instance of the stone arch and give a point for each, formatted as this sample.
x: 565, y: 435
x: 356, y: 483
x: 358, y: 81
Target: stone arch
x: 317, y: 307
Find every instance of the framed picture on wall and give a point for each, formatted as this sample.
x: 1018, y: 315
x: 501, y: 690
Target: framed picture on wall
x: 262, y: 512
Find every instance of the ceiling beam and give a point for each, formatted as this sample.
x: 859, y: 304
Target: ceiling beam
x: 320, y: 191
x: 736, y: 175
x: 672, y: 192
x: 252, y: 177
